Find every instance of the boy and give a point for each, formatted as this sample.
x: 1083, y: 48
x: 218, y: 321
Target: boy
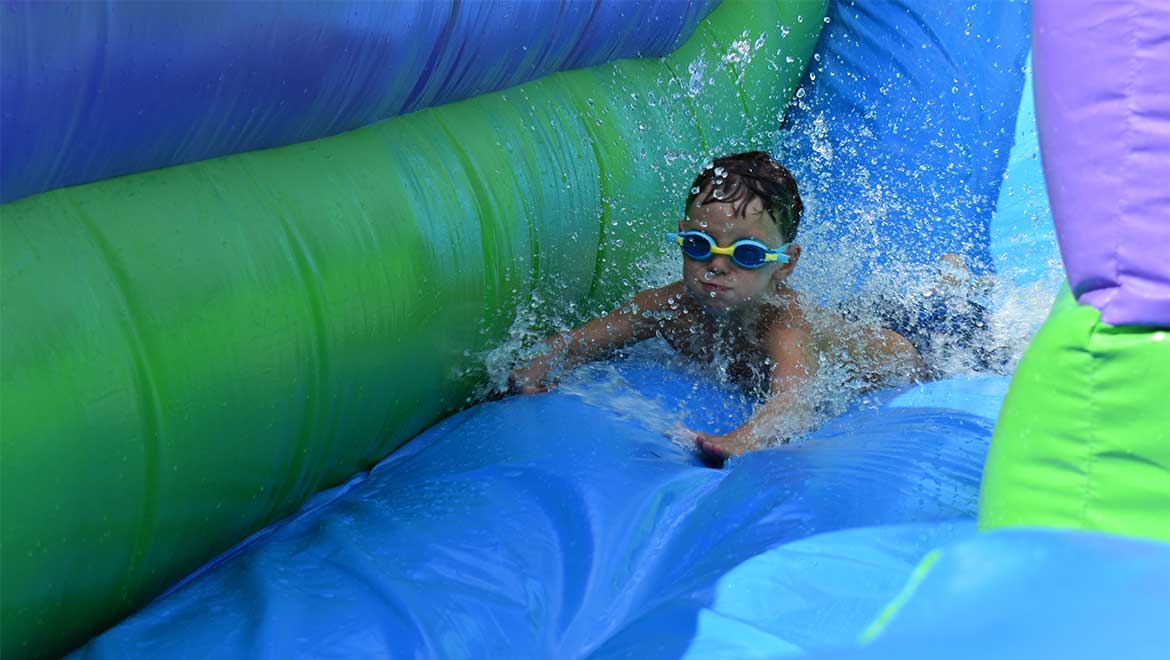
x: 733, y: 307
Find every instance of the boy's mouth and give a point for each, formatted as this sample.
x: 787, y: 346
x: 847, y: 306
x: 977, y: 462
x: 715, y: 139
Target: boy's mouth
x: 713, y: 288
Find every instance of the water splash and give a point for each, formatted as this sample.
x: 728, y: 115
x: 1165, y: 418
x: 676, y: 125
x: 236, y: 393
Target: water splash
x: 835, y: 270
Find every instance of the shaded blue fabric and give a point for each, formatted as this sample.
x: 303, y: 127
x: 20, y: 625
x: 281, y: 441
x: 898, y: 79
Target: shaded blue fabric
x: 901, y: 132
x: 92, y: 90
x: 1018, y: 593
x: 1031, y: 593
x: 560, y: 525
x: 816, y: 594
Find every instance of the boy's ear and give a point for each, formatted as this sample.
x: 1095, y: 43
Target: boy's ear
x: 680, y: 225
x: 785, y: 270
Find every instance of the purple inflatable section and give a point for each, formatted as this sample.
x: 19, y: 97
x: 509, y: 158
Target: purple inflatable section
x: 1103, y: 108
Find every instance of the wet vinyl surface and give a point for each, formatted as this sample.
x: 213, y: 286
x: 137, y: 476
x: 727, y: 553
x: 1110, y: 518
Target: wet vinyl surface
x: 562, y: 524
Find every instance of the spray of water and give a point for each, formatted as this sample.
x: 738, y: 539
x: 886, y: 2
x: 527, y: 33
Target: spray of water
x: 964, y: 322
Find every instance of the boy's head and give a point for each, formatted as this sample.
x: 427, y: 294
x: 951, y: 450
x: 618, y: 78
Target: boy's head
x: 749, y: 198
x: 740, y: 178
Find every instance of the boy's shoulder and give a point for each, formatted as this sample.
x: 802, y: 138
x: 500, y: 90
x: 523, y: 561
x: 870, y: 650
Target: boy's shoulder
x: 789, y: 309
x: 661, y: 298
x: 796, y: 321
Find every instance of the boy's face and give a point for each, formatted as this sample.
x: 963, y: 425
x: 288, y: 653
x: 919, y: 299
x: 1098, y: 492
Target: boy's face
x: 719, y: 285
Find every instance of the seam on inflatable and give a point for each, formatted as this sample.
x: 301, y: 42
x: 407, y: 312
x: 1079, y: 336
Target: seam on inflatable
x: 345, y: 566
x: 313, y: 418
x: 1092, y: 444
x: 149, y: 404
x: 575, y: 56
x: 736, y: 81
x: 689, y: 102
x: 493, y: 278
x: 605, y: 194
x: 879, y: 625
x: 441, y: 42
x: 1125, y: 201
x: 53, y: 176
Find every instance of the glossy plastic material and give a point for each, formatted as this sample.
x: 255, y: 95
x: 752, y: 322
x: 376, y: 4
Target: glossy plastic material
x: 189, y: 353
x: 1084, y: 438
x: 569, y: 524
x: 815, y: 596
x: 1103, y: 101
x: 102, y: 88
x: 1029, y: 593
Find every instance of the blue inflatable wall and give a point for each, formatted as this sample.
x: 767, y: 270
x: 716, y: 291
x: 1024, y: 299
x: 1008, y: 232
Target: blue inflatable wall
x: 98, y: 89
x: 901, y: 137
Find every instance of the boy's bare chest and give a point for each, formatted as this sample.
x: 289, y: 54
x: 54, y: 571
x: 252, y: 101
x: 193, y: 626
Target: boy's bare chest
x: 742, y: 360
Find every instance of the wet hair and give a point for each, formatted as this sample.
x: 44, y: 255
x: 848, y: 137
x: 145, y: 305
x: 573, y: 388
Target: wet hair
x: 739, y: 178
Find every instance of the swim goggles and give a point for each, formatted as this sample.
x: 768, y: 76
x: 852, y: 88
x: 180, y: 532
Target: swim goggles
x: 746, y: 253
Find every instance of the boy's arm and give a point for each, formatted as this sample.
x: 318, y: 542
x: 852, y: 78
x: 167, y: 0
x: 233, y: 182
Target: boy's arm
x: 790, y: 409
x: 791, y: 406
x: 594, y: 339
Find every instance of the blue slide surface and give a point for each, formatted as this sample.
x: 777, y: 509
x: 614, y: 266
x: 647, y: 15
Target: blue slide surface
x: 568, y: 524
x: 571, y: 524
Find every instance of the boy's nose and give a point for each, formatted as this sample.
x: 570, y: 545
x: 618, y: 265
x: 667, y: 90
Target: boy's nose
x: 719, y: 263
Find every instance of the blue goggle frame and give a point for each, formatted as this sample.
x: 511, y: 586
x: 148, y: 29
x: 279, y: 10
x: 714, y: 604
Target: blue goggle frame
x: 746, y: 253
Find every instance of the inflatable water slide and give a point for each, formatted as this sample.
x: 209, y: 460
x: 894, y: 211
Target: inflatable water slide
x: 262, y: 263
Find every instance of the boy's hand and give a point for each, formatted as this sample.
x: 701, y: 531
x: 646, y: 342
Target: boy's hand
x: 716, y: 449
x: 532, y: 378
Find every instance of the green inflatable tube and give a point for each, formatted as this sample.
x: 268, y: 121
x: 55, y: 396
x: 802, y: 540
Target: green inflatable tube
x: 189, y: 353
x: 1083, y: 439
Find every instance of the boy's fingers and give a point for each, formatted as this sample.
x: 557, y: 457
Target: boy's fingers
x: 711, y: 453
x: 708, y: 447
x: 525, y: 385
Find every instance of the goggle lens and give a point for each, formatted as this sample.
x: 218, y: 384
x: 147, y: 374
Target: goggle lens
x: 697, y: 247
x: 749, y: 256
